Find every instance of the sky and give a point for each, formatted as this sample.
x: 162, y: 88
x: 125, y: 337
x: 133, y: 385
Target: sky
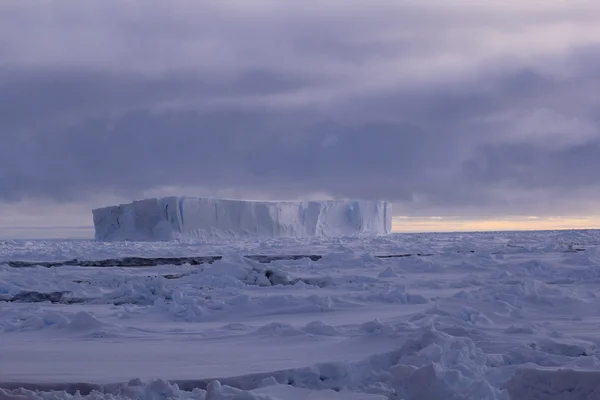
x: 467, y: 115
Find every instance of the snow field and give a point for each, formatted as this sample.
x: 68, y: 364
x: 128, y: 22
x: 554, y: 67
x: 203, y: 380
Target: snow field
x: 476, y: 316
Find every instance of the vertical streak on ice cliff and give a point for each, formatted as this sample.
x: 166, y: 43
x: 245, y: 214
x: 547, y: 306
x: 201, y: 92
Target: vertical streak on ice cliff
x: 303, y: 210
x: 388, y: 217
x: 180, y: 203
x: 385, y: 224
x: 216, y: 214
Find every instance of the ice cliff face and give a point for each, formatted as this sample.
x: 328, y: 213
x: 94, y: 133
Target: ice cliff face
x: 174, y: 217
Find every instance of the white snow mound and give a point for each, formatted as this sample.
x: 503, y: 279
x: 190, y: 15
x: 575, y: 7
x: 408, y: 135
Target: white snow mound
x: 171, y: 218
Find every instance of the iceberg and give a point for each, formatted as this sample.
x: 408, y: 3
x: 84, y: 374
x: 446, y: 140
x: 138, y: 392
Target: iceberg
x: 170, y: 218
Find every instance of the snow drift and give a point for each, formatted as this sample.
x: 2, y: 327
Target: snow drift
x: 173, y: 217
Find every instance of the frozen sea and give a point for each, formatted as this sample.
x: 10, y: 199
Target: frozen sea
x: 499, y: 315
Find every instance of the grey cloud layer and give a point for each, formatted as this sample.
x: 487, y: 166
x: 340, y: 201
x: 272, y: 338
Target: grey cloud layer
x: 445, y: 109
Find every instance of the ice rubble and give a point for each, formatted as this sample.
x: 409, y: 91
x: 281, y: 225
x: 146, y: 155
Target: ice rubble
x: 173, y: 217
x: 161, y: 389
x: 485, y: 317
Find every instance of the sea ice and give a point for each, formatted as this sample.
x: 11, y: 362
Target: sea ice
x: 443, y: 317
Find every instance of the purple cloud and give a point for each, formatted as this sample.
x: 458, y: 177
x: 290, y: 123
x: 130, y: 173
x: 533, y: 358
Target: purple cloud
x: 443, y: 108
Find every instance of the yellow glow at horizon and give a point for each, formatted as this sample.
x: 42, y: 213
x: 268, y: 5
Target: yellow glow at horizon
x: 441, y: 224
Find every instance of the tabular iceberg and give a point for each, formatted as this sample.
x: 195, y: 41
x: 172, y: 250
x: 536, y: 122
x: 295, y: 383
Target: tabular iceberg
x: 171, y: 218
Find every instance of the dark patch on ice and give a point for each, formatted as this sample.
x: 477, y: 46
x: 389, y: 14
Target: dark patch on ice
x: 263, y: 259
x: 119, y: 262
x: 404, y: 255
x: 173, y: 276
x: 40, y: 297
x: 155, y: 261
x: 562, y: 281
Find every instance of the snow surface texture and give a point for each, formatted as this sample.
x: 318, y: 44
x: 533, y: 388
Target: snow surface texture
x: 484, y: 316
x: 175, y: 217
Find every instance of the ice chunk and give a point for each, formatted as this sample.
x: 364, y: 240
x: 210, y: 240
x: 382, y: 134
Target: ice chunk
x: 174, y: 217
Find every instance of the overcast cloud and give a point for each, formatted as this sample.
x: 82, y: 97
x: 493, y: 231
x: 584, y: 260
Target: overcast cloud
x: 444, y: 107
